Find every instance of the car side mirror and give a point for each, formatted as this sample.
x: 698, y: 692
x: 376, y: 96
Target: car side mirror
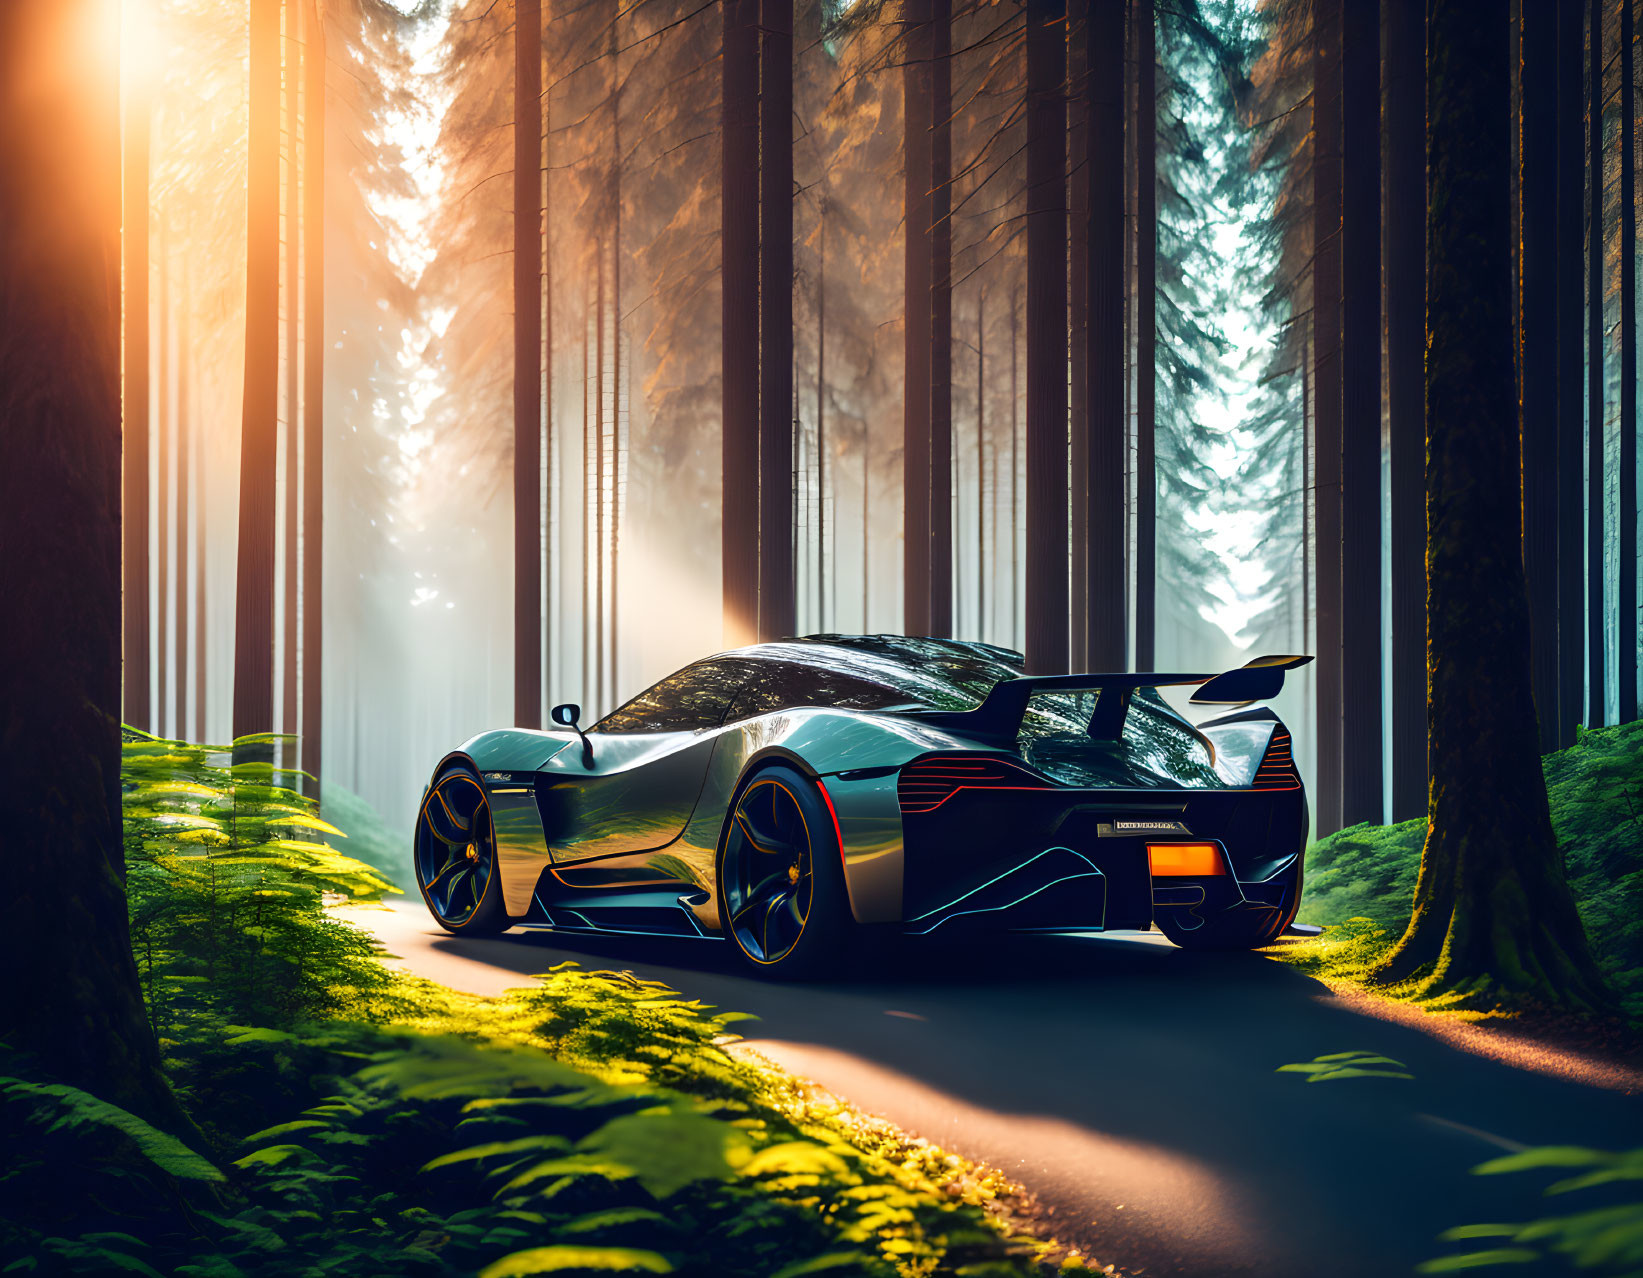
x: 566, y: 716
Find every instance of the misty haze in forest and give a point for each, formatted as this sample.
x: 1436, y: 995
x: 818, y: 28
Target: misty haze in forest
x: 412, y: 115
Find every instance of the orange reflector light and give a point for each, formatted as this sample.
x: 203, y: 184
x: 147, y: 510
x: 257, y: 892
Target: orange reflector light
x: 1184, y: 860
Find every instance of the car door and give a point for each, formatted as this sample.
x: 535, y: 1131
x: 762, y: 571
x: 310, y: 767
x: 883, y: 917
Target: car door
x: 635, y: 784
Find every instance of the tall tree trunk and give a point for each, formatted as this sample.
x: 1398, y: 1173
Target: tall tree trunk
x: 1046, y: 338
x: 202, y: 630
x: 1405, y: 240
x: 527, y: 364
x: 79, y: 1012
x: 1493, y: 913
x: 1104, y: 479
x: 290, y: 574
x: 589, y: 342
x: 739, y: 335
x: 164, y: 451
x: 313, y: 399
x: 941, y: 318
x: 981, y: 464
x: 599, y: 485
x: 1362, y: 795
x: 184, y: 449
x: 821, y: 417
x: 1626, y: 617
x: 1327, y: 403
x: 1538, y: 366
x: 618, y: 449
x: 777, y: 599
x: 1079, y: 191
x: 1569, y: 272
x: 1015, y: 464
x: 134, y: 226
x: 1597, y: 387
x: 917, y: 113
x: 259, y: 414
x: 1146, y: 335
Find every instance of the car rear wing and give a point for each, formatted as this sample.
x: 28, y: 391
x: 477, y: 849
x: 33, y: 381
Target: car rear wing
x: 999, y: 715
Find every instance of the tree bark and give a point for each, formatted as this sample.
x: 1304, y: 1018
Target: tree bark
x: 941, y: 319
x: 1146, y: 335
x: 184, y: 450
x: 917, y: 113
x: 313, y: 403
x: 79, y: 1012
x: 1104, y: 478
x: 1405, y: 241
x: 777, y: 598
x: 1079, y: 190
x: 291, y: 570
x: 739, y: 240
x: 1362, y: 796
x: 1626, y: 618
x: 259, y: 424
x: 527, y: 364
x: 1046, y: 338
x: 1327, y: 405
x: 1596, y: 389
x: 1569, y: 271
x: 618, y: 448
x: 1537, y: 343
x: 134, y: 226
x: 1493, y: 915
x: 164, y: 453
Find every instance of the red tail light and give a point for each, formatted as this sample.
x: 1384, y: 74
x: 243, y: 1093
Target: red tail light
x: 1277, y: 770
x: 926, y: 784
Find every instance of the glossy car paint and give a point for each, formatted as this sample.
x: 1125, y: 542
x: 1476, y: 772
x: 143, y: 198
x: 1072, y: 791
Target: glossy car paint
x: 642, y: 820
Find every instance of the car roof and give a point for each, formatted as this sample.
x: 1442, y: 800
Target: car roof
x: 869, y: 652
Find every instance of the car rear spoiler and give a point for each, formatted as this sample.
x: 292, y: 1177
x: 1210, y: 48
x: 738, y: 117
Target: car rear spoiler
x: 1000, y: 713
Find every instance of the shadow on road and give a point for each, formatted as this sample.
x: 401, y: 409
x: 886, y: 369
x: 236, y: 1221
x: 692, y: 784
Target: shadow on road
x: 1133, y: 1086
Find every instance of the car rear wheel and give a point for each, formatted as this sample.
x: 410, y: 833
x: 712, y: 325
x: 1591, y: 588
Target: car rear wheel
x: 782, y: 897
x: 455, y: 855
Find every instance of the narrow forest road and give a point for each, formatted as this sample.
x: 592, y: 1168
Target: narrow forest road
x: 1131, y: 1087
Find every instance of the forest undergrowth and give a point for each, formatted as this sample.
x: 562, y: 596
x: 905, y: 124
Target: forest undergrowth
x: 1361, y: 880
x: 355, y: 1120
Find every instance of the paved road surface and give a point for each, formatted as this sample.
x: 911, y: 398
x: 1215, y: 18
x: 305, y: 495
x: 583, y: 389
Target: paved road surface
x: 1131, y: 1086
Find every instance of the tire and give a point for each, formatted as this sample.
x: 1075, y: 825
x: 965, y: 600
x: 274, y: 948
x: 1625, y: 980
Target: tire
x: 797, y: 925
x: 1234, y: 929
x: 454, y: 854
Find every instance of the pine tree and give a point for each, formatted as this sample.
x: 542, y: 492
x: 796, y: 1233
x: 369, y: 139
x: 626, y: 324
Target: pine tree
x: 1046, y: 547
x: 740, y: 324
x: 254, y: 581
x: 79, y: 1014
x: 1493, y: 912
x: 1405, y: 243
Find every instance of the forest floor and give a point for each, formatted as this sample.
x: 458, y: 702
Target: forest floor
x: 1138, y: 1091
x: 1595, y: 1051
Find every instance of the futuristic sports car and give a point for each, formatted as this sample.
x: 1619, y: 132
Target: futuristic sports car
x: 791, y: 795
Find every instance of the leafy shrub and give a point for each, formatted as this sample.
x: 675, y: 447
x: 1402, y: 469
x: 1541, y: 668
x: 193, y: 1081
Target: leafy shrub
x: 1596, y: 790
x: 1604, y: 1237
x: 593, y: 1122
x: 225, y: 883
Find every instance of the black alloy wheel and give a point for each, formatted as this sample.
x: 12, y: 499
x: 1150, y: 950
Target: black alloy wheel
x: 781, y: 882
x: 456, y: 854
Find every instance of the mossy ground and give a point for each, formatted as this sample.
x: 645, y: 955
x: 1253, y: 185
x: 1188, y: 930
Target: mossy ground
x: 1361, y: 880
